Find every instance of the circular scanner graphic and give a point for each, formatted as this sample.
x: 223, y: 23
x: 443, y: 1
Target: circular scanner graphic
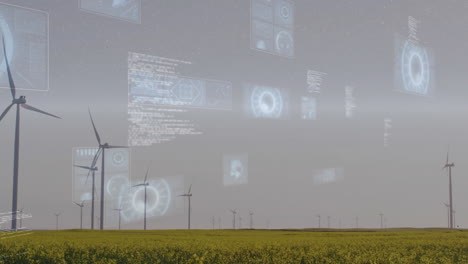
x: 415, y: 69
x: 285, y: 11
x: 284, y: 43
x: 132, y: 199
x: 266, y: 102
x: 116, y: 184
x: 119, y: 158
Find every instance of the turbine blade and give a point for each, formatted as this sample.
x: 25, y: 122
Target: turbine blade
x: 30, y: 108
x: 10, y: 78
x: 94, y: 127
x: 93, y: 164
x: 138, y: 185
x: 189, y: 189
x: 5, y: 112
x: 82, y: 167
x: 117, y: 147
x: 96, y: 157
x: 447, y: 159
x: 146, y: 176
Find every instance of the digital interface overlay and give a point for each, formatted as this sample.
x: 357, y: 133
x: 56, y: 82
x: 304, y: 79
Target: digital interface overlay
x: 314, y: 81
x: 350, y: 101
x: 413, y: 63
x: 328, y: 176
x: 117, y: 178
x: 129, y: 10
x: 161, y: 198
x: 272, y: 27
x: 159, y: 95
x: 308, y: 108
x: 26, y: 33
x: 236, y: 169
x: 388, y: 125
x: 266, y: 102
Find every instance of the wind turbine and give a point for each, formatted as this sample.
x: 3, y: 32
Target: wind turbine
x: 318, y: 216
x: 102, y: 150
x: 381, y: 220
x: 234, y: 212
x: 81, y: 205
x: 448, y: 214
x: 21, y: 218
x: 91, y: 170
x: 120, y: 214
x: 240, y: 221
x: 449, y: 166
x: 189, y: 196
x: 20, y: 102
x: 57, y: 220
x: 251, y: 219
x: 144, y: 184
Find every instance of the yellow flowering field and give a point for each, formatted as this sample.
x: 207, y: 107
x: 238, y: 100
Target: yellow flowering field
x: 236, y: 246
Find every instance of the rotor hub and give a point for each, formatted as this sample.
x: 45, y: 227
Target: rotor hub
x: 20, y: 100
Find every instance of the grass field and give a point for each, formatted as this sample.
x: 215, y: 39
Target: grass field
x: 240, y: 246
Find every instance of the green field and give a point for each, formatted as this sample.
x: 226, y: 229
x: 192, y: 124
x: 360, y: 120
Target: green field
x: 240, y: 246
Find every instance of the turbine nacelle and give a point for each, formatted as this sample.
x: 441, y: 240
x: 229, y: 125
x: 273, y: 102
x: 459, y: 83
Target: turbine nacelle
x: 451, y: 165
x: 21, y: 100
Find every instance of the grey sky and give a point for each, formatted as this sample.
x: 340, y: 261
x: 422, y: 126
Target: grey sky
x: 352, y: 41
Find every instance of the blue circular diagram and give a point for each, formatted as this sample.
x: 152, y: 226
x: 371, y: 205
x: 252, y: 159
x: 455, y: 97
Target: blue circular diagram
x: 415, y: 69
x: 285, y: 43
x: 266, y: 102
x: 131, y: 200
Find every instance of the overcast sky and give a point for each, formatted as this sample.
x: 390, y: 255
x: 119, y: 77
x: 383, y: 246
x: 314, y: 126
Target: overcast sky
x: 353, y: 42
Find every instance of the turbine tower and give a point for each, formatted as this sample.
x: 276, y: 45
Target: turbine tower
x: 448, y: 214
x: 101, y: 152
x: 81, y: 205
x: 57, y: 220
x: 189, y: 197
x: 318, y: 216
x: 20, y: 103
x: 120, y: 214
x: 234, y: 212
x: 21, y: 219
x: 381, y: 220
x: 449, y: 166
x: 91, y: 170
x: 145, y: 184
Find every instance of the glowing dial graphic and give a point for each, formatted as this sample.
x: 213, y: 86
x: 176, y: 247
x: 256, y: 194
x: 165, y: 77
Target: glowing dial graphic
x: 415, y: 69
x: 284, y: 43
x: 159, y: 196
x: 266, y: 102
